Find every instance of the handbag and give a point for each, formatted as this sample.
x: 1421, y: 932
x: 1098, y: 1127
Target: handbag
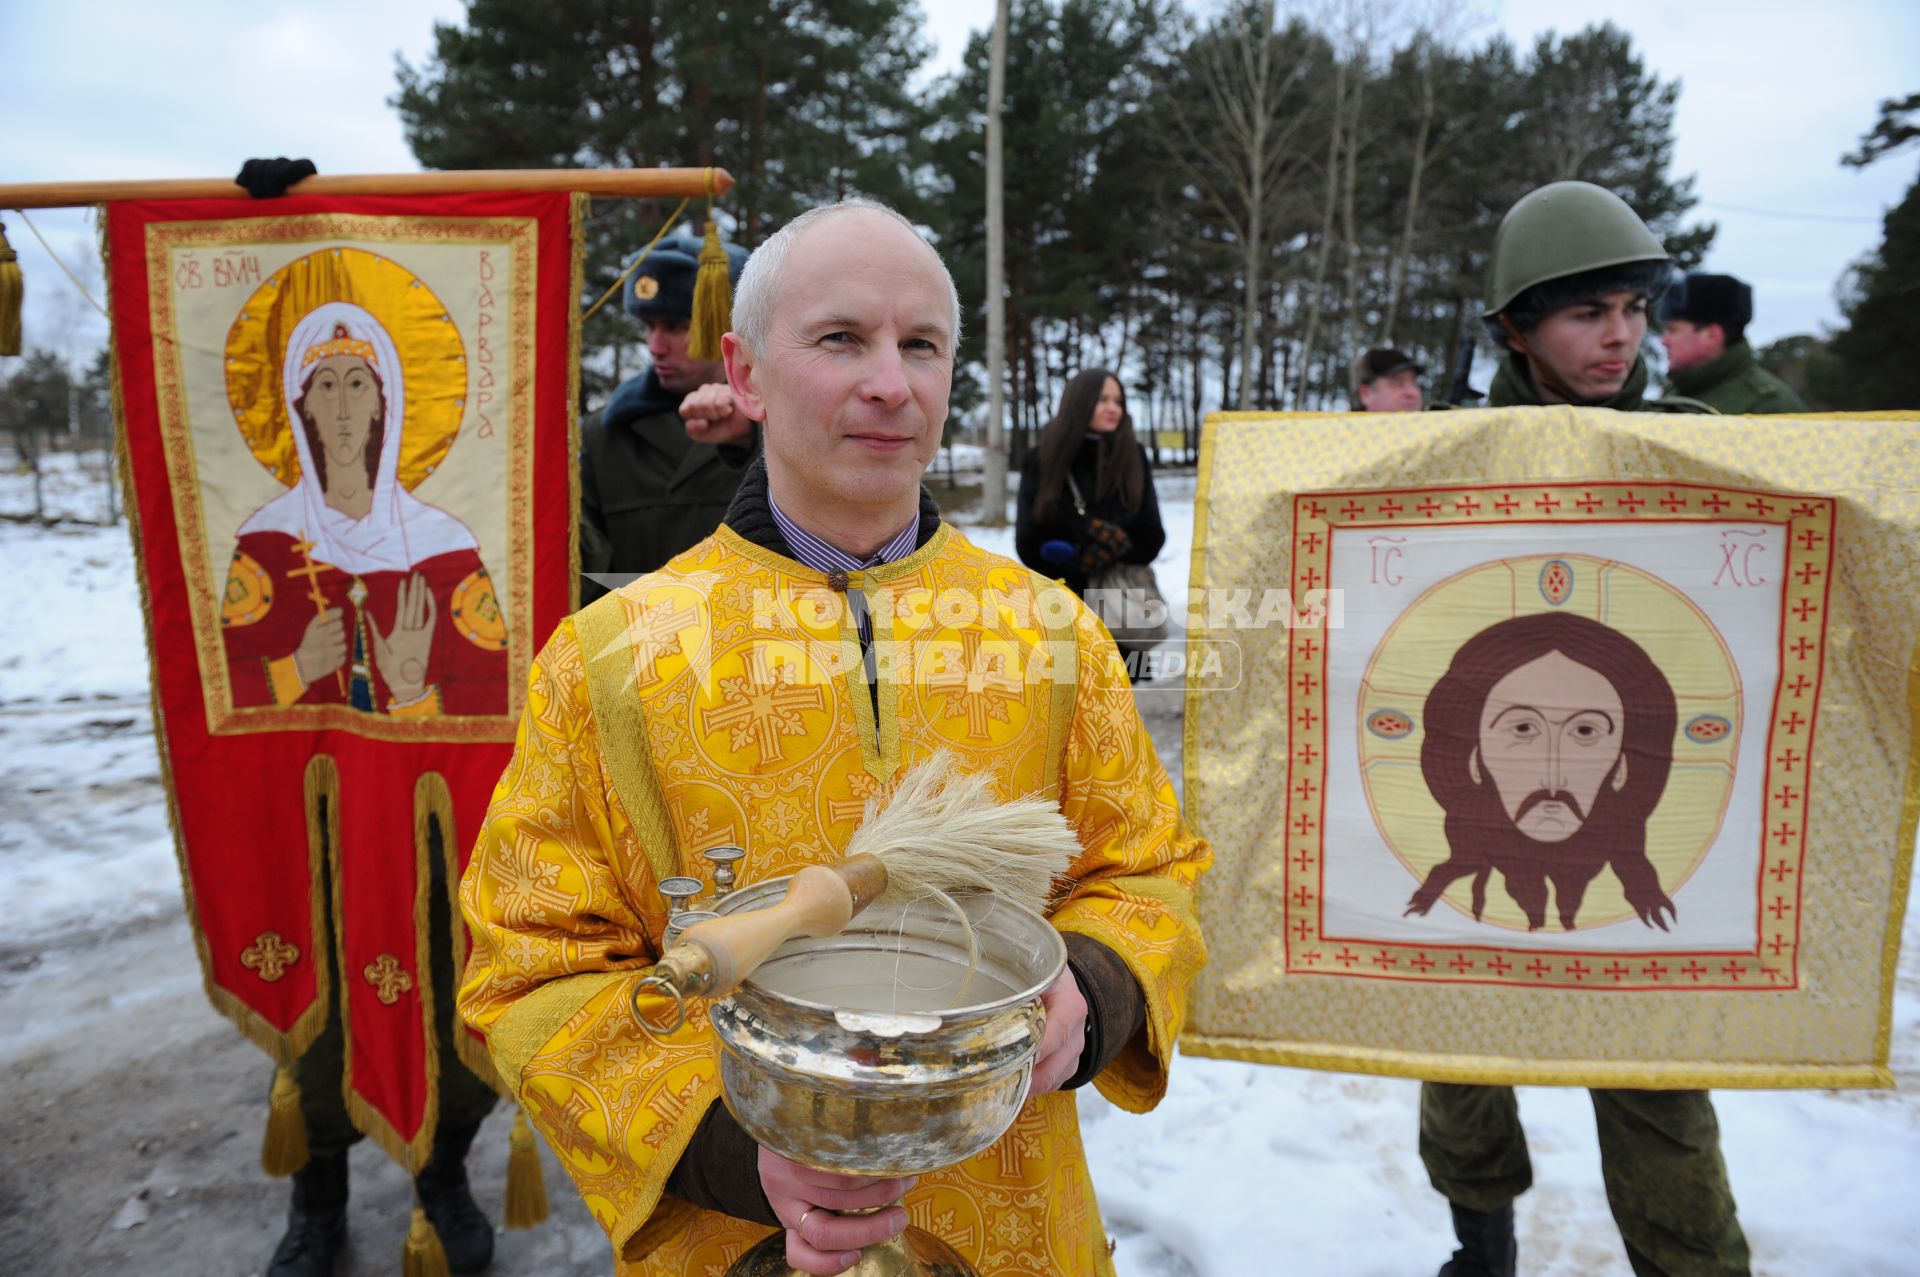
x: 1125, y: 595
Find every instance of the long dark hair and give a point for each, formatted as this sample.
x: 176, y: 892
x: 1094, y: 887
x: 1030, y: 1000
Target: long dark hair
x: 376, y: 437
x: 1118, y: 468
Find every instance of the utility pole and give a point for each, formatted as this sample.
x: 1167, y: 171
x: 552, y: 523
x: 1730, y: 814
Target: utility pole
x: 994, y: 478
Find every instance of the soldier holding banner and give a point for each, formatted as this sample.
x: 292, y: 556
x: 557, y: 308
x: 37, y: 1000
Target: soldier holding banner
x: 1573, y: 274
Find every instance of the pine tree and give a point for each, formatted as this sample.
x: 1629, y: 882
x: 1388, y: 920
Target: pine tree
x: 1869, y: 364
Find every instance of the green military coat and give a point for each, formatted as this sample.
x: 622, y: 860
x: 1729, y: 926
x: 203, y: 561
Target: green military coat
x: 1736, y: 384
x: 647, y: 492
x: 1513, y: 384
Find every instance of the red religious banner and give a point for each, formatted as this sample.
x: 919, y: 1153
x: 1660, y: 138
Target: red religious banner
x: 349, y: 431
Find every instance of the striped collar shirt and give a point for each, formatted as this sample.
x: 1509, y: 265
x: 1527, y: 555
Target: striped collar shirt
x: 824, y: 556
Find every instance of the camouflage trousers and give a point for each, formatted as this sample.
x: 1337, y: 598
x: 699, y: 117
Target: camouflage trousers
x: 1659, y: 1156
x: 321, y: 1071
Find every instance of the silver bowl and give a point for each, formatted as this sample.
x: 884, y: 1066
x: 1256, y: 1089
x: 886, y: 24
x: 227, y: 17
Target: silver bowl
x: 851, y: 1054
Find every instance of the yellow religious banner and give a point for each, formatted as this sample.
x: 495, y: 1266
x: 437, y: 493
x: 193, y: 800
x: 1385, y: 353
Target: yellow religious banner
x: 1582, y: 751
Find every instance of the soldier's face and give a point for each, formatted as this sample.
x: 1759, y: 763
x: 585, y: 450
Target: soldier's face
x: 858, y: 363
x: 1396, y: 392
x: 1589, y: 347
x: 677, y: 371
x: 1550, y: 736
x: 1688, y: 344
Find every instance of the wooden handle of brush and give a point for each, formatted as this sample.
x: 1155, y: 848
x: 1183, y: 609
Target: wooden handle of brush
x: 820, y: 901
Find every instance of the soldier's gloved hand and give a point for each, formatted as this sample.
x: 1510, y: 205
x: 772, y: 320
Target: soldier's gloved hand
x: 269, y: 179
x: 1058, y: 551
x: 712, y: 416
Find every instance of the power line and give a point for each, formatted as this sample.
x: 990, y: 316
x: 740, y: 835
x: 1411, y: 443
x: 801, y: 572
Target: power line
x: 1791, y: 217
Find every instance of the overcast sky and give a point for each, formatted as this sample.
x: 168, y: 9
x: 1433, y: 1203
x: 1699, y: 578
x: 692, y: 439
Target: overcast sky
x: 1774, y: 91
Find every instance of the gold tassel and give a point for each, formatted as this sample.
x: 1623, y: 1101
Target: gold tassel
x: 285, y: 1149
x: 526, y: 1185
x: 712, y: 297
x: 13, y: 290
x: 425, y: 1256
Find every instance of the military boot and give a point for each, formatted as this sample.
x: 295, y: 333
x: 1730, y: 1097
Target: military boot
x: 1486, y: 1243
x: 464, y: 1231
x: 316, y: 1222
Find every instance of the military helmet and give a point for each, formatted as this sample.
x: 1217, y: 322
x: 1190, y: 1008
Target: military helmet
x: 1566, y: 228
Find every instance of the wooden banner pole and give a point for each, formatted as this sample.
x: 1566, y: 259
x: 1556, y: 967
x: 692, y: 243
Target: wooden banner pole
x: 625, y: 183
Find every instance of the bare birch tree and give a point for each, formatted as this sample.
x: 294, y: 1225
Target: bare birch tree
x: 1231, y: 143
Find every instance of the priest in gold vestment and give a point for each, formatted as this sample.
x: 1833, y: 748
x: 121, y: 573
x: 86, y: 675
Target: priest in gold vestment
x: 757, y: 691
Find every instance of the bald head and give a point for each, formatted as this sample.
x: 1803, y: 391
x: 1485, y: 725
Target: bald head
x: 843, y: 345
x: 766, y: 273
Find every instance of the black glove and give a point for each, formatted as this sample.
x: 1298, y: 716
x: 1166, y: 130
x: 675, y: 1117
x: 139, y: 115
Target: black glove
x: 269, y: 179
x: 1104, y: 543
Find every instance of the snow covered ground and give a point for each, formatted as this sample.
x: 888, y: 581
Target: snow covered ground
x: 1242, y: 1170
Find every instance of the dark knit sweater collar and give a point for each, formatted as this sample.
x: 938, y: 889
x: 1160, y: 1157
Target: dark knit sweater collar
x: 751, y: 517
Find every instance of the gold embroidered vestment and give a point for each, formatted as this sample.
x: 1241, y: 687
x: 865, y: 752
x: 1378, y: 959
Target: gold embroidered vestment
x: 723, y: 700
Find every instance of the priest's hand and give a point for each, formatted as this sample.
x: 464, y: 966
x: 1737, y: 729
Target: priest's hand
x: 402, y: 652
x: 1065, y: 1036
x: 712, y: 416
x: 820, y: 1239
x: 323, y: 648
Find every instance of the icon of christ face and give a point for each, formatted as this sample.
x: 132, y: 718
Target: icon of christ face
x: 1550, y: 741
x: 1548, y: 744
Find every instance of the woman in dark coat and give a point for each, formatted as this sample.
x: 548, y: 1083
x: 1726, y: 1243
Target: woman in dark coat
x: 1086, y: 492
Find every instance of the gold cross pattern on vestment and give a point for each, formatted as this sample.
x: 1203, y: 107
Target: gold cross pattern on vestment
x: 388, y: 978
x: 269, y: 956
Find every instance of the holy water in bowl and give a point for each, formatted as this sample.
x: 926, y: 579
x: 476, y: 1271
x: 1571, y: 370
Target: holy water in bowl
x: 879, y: 978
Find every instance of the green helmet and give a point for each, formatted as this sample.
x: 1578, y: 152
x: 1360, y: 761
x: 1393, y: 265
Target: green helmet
x: 1566, y: 228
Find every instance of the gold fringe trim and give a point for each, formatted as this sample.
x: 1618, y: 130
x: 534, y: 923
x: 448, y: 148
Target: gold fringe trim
x: 284, y: 1047
x: 600, y: 630
x: 1902, y: 871
x: 13, y: 289
x: 470, y: 1048
x: 1196, y: 580
x: 1590, y: 1073
x: 712, y: 295
x: 657, y: 1216
x: 424, y: 1256
x: 284, y: 1150
x: 526, y: 1184
x: 576, y: 227
x: 1065, y: 703
x: 524, y: 1028
x: 430, y: 800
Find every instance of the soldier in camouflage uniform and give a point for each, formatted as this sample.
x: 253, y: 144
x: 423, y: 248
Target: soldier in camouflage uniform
x: 1705, y: 318
x: 1574, y: 271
